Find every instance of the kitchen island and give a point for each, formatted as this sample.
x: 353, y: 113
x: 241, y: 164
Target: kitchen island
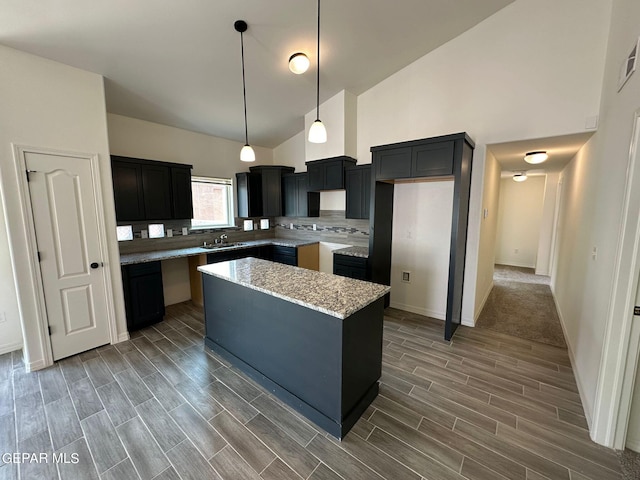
x: 313, y: 339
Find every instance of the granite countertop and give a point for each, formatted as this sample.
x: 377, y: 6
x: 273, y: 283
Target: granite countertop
x: 142, y: 257
x: 324, y: 292
x: 362, y: 252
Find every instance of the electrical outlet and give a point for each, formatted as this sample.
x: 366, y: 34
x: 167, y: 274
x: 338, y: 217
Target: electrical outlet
x: 169, y: 232
x: 185, y: 231
x: 144, y: 233
x: 315, y: 227
x: 406, y: 277
x: 291, y: 226
x: 3, y: 317
x: 594, y: 253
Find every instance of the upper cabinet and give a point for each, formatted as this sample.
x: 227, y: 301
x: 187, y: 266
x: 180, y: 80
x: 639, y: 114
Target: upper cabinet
x: 358, y: 191
x: 298, y: 200
x: 414, y: 161
x: 149, y: 190
x: 328, y: 173
x: 260, y: 191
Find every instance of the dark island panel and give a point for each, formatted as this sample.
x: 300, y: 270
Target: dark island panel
x: 324, y: 367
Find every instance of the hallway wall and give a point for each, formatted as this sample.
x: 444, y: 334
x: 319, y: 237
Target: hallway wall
x: 519, y: 221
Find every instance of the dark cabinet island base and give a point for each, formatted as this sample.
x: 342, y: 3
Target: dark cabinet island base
x: 326, y: 368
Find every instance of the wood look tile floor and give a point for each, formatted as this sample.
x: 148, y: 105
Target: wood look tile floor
x: 484, y: 406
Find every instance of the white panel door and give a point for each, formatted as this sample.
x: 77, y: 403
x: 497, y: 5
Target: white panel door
x: 64, y: 212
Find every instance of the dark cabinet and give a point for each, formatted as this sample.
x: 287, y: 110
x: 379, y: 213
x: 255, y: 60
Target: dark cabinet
x: 148, y: 190
x: 298, y: 200
x: 143, y: 294
x: 358, y: 191
x: 260, y: 191
x: 328, y: 173
x: 286, y: 255
x: 349, y: 266
x: 416, y: 161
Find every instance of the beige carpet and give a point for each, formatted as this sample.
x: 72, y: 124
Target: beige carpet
x: 521, y: 305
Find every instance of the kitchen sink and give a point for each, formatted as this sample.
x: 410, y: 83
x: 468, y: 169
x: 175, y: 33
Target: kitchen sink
x: 216, y: 246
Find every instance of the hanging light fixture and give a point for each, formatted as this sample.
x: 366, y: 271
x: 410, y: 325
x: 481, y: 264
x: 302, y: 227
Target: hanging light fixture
x: 536, y: 157
x: 298, y: 63
x: 246, y: 154
x: 520, y: 177
x: 317, y: 132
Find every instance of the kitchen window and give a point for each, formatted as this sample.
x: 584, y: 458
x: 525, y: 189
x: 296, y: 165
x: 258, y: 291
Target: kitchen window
x: 212, y: 205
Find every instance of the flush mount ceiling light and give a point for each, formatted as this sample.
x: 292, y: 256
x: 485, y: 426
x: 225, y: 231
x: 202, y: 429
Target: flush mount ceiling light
x: 246, y: 154
x: 317, y: 132
x: 519, y: 177
x: 298, y: 63
x: 536, y: 157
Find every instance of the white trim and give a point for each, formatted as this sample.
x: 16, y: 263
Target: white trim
x: 471, y: 322
x: 572, y: 358
x: 634, y: 445
x: 419, y: 310
x: 616, y: 377
x: 123, y: 337
x: 10, y: 347
x: 35, y: 288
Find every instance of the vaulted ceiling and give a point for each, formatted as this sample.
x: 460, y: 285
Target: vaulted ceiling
x: 178, y: 63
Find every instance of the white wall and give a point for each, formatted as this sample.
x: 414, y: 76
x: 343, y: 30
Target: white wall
x: 49, y: 105
x: 488, y: 230
x: 547, y: 223
x: 210, y: 156
x: 420, y: 235
x: 590, y: 215
x: 519, y: 219
x: 10, y: 330
x: 481, y: 82
x: 291, y: 152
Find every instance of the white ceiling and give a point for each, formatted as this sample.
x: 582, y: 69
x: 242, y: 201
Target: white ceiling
x: 560, y: 149
x: 178, y: 62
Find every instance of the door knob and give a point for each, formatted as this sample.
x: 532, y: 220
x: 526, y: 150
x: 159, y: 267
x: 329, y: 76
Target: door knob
x: 95, y: 265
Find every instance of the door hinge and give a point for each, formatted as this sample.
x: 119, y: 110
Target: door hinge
x: 29, y: 176
x: 636, y: 310
x: 39, y: 257
x: 49, y: 328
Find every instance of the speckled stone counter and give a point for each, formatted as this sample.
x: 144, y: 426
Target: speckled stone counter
x: 331, y: 294
x: 361, y: 252
x: 142, y: 257
x: 312, y: 339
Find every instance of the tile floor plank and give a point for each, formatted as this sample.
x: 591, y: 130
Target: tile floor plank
x: 84, y: 398
x: 160, y: 424
x: 103, y: 442
x: 116, y: 403
x: 190, y: 464
x: 145, y: 454
x: 63, y: 422
x: 201, y: 434
x: 229, y: 464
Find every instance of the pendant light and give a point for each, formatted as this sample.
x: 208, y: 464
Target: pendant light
x: 246, y: 154
x: 317, y: 132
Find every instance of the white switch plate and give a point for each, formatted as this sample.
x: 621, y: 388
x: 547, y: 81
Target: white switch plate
x: 264, y: 224
x: 169, y: 232
x: 315, y: 227
x: 185, y: 231
x: 144, y: 234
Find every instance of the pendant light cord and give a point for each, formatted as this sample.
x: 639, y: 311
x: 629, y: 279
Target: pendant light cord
x: 318, y: 70
x: 244, y: 91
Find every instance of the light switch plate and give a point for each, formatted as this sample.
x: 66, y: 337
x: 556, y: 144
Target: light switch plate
x: 185, y: 231
x: 169, y: 232
x: 144, y: 234
x: 264, y: 224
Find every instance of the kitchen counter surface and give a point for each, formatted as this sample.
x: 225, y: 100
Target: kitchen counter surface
x: 362, y: 252
x: 324, y: 292
x: 142, y: 257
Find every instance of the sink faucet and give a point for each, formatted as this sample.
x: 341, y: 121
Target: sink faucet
x: 222, y: 239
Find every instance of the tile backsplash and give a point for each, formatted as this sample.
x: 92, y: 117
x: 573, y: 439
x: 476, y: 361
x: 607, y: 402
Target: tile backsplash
x: 331, y: 226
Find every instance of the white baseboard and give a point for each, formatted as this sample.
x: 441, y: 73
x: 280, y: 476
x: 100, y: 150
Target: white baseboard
x: 588, y: 409
x: 123, y: 337
x: 419, y: 310
x: 511, y: 264
x: 37, y: 365
x: 10, y: 347
x: 471, y: 322
x: 633, y: 444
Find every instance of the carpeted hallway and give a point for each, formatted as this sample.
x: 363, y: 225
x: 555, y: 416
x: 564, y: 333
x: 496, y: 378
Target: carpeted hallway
x: 521, y: 305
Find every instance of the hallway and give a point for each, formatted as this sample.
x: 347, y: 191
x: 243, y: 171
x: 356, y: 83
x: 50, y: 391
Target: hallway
x: 521, y: 304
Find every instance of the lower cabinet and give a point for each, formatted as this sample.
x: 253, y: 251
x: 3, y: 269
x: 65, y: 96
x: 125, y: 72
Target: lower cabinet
x: 349, y: 266
x: 143, y: 295
x: 286, y: 255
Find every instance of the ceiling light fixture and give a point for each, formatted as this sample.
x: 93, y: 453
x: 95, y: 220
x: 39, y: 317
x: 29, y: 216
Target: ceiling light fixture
x: 298, y: 63
x: 317, y: 132
x: 536, y: 157
x: 520, y: 177
x: 246, y: 154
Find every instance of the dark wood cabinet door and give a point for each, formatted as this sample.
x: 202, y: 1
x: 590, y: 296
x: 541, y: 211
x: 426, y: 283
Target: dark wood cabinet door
x: 358, y: 191
x: 392, y: 164
x: 290, y: 195
x: 144, y: 296
x: 182, y: 201
x: 348, y: 266
x: 127, y: 191
x: 316, y: 177
x: 156, y: 188
x: 434, y: 159
x: 334, y: 175
x: 271, y: 193
x: 249, y: 194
